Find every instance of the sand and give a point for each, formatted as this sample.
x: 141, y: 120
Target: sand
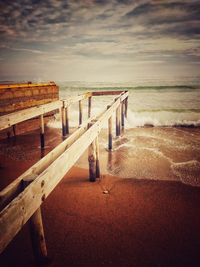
x: 139, y: 222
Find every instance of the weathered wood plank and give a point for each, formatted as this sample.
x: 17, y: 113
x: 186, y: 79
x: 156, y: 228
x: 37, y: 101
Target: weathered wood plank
x: 69, y: 101
x: 37, y: 230
x: 15, y: 215
x: 26, y: 114
x: 21, y: 85
x: 124, y: 96
x: 101, y: 93
x: 13, y: 189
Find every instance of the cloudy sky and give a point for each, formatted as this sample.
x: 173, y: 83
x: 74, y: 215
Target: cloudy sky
x: 99, y: 40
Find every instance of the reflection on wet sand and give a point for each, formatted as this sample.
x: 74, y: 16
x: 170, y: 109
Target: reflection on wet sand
x: 156, y: 153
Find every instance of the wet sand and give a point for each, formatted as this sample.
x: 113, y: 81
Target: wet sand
x: 156, y: 153
x: 139, y: 222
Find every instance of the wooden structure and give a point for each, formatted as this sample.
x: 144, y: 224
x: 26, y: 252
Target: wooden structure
x: 15, y: 97
x: 18, y: 201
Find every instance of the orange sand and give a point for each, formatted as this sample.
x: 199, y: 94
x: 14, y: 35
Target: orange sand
x: 138, y: 223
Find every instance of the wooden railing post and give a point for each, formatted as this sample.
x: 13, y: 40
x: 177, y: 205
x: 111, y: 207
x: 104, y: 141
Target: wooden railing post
x: 64, y: 132
x: 118, y: 126
x: 14, y: 130
x: 97, y: 157
x: 126, y: 107
x: 67, y: 120
x: 42, y: 131
x: 92, y: 159
x: 109, y: 131
x: 89, y: 106
x: 80, y: 112
x: 37, y: 231
x: 122, y: 114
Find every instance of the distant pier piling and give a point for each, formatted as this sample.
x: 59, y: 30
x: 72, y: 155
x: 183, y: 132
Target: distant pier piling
x: 92, y: 161
x: 80, y: 112
x: 109, y: 131
x: 64, y: 125
x: 126, y: 106
x: 89, y: 106
x: 67, y: 120
x: 122, y: 115
x: 42, y: 141
x: 118, y: 123
x: 97, y: 157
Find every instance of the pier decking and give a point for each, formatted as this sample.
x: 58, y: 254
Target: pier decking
x: 21, y: 200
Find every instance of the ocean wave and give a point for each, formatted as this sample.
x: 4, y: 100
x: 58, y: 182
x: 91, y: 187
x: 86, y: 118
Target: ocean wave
x: 149, y: 122
x: 163, y: 118
x: 175, y: 110
x: 136, y: 88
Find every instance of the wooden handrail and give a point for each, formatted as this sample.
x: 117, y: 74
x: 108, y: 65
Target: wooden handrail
x: 46, y: 175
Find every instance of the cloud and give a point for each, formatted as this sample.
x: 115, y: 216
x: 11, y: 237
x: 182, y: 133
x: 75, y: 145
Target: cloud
x: 100, y: 31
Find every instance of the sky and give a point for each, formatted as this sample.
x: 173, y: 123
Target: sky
x: 99, y: 40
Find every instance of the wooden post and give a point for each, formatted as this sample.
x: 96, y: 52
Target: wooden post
x: 109, y: 131
x: 89, y: 106
x: 92, y: 160
x: 126, y: 107
x: 67, y: 120
x: 97, y: 157
x: 64, y: 122
x: 118, y: 128
x: 42, y: 131
x: 37, y: 231
x: 122, y: 114
x: 80, y: 112
x: 14, y: 129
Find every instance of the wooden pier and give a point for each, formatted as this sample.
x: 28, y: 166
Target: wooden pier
x: 18, y: 201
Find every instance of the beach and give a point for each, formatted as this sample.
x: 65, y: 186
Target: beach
x: 100, y: 133
x: 140, y: 221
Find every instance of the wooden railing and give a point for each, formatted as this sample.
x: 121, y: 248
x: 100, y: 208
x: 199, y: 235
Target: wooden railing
x: 19, y: 202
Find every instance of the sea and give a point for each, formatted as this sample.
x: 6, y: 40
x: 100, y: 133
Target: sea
x: 161, y: 140
x: 170, y: 105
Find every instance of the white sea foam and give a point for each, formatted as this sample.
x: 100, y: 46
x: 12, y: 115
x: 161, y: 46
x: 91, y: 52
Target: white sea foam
x: 148, y: 106
x: 188, y: 172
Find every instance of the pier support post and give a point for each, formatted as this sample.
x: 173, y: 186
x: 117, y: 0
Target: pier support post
x: 67, y: 120
x: 42, y: 142
x: 118, y: 123
x: 37, y: 231
x: 80, y: 112
x: 110, y: 131
x: 122, y: 114
x: 126, y: 107
x: 97, y: 157
x: 14, y: 130
x: 92, y: 159
x: 89, y: 106
x: 64, y: 128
